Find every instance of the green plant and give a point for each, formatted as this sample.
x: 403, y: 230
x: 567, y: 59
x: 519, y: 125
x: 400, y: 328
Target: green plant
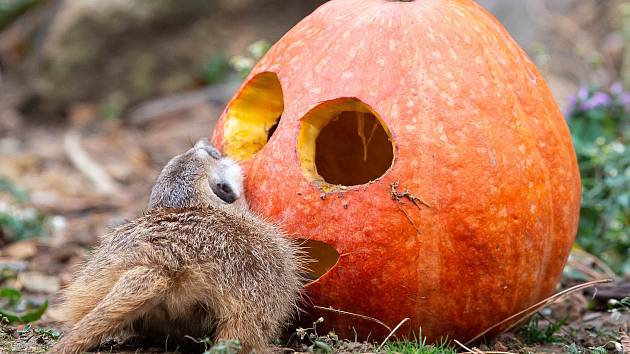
x: 317, y: 343
x: 18, y: 221
x: 617, y: 307
x: 572, y: 349
x: 575, y: 349
x: 534, y: 333
x: 215, y: 68
x: 419, y: 346
x: 219, y: 347
x: 224, y: 347
x: 16, y: 310
x: 243, y: 64
x: 19, y: 194
x: 600, y: 126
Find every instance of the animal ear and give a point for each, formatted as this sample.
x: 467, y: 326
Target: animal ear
x: 205, y: 145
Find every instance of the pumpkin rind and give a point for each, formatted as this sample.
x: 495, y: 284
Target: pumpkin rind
x: 477, y: 135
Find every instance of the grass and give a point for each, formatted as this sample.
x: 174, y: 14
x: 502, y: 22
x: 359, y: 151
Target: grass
x: 534, y: 333
x: 419, y: 347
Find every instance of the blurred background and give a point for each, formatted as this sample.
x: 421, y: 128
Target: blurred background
x: 95, y: 96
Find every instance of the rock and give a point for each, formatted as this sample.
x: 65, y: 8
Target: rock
x: 40, y: 283
x: 21, y: 250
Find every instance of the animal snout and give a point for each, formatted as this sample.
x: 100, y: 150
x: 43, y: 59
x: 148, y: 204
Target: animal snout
x: 225, y: 192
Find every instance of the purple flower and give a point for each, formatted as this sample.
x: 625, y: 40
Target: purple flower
x: 582, y: 94
x: 616, y: 89
x: 570, y: 109
x: 625, y: 101
x: 599, y: 99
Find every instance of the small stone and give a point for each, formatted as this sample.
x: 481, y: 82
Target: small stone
x: 21, y: 250
x: 39, y: 283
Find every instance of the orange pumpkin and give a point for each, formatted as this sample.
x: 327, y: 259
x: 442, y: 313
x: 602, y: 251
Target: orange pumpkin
x: 422, y: 144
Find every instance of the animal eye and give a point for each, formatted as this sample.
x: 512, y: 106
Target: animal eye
x: 214, y: 153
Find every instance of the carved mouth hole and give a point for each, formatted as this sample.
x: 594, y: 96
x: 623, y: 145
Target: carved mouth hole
x: 344, y: 142
x: 321, y: 259
x: 253, y: 116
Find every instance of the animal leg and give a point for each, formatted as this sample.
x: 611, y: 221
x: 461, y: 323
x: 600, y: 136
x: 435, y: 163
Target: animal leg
x: 134, y: 291
x: 247, y: 331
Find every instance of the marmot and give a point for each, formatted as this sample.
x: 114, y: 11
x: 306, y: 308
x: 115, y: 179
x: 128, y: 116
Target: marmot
x: 197, y: 263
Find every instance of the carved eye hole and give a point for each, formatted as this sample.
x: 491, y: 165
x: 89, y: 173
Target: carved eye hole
x: 253, y: 116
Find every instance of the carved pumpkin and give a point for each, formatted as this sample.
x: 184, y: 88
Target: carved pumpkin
x: 421, y: 143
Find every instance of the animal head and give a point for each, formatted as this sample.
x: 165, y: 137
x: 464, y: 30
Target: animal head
x: 199, y: 177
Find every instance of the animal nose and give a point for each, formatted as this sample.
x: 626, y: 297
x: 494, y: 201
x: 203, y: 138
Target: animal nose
x: 225, y: 192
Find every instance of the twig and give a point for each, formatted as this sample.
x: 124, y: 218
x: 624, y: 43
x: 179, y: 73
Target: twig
x: 397, y: 196
x: 534, y: 308
x: 354, y: 314
x: 86, y: 165
x: 409, y: 218
x: 391, y: 333
x: 587, y: 271
x: 598, y: 262
x: 468, y: 350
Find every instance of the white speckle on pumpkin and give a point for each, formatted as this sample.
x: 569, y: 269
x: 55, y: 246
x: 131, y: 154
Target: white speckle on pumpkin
x: 410, y: 127
x: 347, y: 75
x: 410, y: 103
x: 436, y: 55
x: 439, y: 127
x: 532, y: 208
x: 521, y: 148
x: 380, y: 61
x: 478, y: 60
x: 392, y: 44
x: 315, y: 90
x: 454, y: 86
x: 503, y: 212
x: 449, y: 75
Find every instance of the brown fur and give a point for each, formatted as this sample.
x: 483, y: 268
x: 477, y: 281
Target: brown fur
x: 206, y: 268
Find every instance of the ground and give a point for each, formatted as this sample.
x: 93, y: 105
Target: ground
x: 90, y: 174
